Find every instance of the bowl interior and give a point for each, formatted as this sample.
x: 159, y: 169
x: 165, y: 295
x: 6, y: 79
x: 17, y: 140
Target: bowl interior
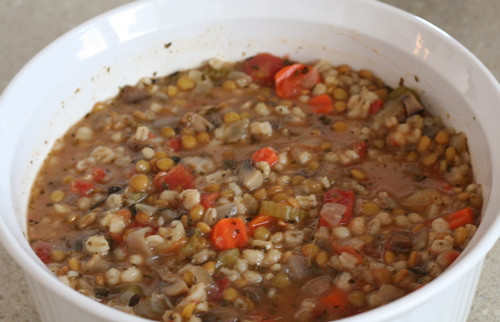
x: 149, y: 38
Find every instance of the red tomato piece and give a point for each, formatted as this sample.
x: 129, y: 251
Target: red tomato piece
x: 329, y: 215
x: 339, y: 249
x: 321, y: 104
x: 98, y: 174
x: 266, y: 154
x: 177, y: 178
x: 460, y: 218
x: 376, y: 106
x: 263, y: 67
x: 447, y: 258
x: 207, y: 200
x: 291, y: 80
x: 258, y: 221
x: 42, y: 250
x: 82, y: 187
x: 229, y: 233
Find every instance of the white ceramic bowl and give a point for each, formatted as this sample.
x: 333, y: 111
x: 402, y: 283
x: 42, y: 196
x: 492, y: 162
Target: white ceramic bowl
x: 89, y: 63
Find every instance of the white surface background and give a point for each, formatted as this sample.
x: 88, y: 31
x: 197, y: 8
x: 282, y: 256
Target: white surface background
x: 28, y: 26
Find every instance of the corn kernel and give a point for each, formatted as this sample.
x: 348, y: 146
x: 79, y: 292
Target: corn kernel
x: 160, y: 154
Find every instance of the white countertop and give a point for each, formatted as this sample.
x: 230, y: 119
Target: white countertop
x: 28, y: 26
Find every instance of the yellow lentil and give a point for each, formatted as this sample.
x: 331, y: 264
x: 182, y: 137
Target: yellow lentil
x: 310, y: 250
x: 172, y: 90
x: 168, y: 132
x: 209, y: 267
x: 212, y: 187
x: 344, y: 69
x: 413, y: 259
x: 188, y: 310
x: 203, y: 227
x: 340, y: 94
x: 423, y: 143
x: 231, y: 117
x: 189, y: 142
x: 281, y: 280
x: 261, y: 233
x: 142, y: 166
x: 322, y: 258
x: 230, y: 294
x: 358, y: 174
x: 430, y: 159
x: 57, y: 255
x: 139, y: 182
x: 260, y: 194
x: 202, y: 137
x: 99, y: 107
x: 296, y: 180
x: 370, y: 209
x: 185, y: 83
x: 450, y: 153
x: 196, y: 213
x: 389, y: 257
x: 340, y: 106
x: 339, y: 126
x: 74, y: 264
x: 314, y: 165
x: 229, y: 85
x: 357, y: 298
x: 366, y: 74
x: 57, y: 196
x: 412, y: 156
x: 460, y: 235
x: 442, y: 137
x: 165, y: 164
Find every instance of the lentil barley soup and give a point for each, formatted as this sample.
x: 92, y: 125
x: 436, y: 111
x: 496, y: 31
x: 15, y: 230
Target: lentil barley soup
x: 261, y: 190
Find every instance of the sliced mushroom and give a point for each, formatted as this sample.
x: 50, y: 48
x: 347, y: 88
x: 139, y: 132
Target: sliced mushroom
x: 197, y: 122
x: 235, y: 132
x: 411, y: 103
x: 177, y: 288
x: 251, y: 177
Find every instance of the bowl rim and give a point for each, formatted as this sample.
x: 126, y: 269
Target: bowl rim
x: 46, y: 278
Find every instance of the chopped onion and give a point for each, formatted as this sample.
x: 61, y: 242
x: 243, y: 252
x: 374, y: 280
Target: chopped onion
x: 332, y: 213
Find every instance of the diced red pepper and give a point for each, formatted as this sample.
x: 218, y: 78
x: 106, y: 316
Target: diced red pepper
x: 258, y: 221
x: 376, y: 106
x: 43, y: 250
x: 207, y: 200
x: 291, y: 80
x: 263, y: 67
x: 177, y: 178
x: 446, y: 258
x: 336, y: 302
x: 266, y: 154
x: 175, y: 144
x: 229, y: 233
x: 460, y: 218
x: 361, y: 148
x: 321, y: 104
x: 340, y: 248
x: 98, y: 174
x: 342, y: 197
x: 82, y: 187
